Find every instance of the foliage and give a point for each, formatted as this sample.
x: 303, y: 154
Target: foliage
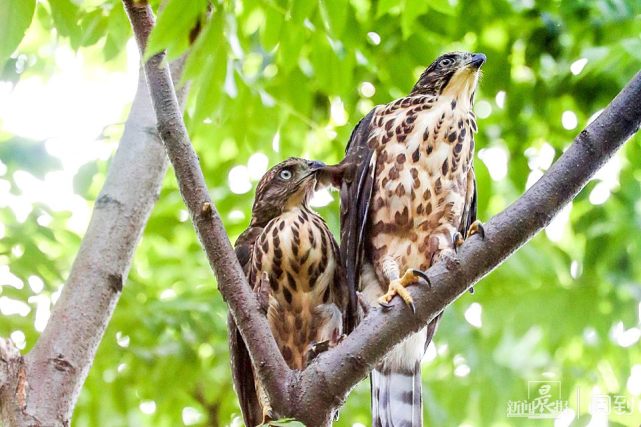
x: 292, y: 77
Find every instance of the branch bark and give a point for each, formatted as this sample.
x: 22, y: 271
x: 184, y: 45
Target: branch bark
x: 42, y: 387
x: 313, y: 395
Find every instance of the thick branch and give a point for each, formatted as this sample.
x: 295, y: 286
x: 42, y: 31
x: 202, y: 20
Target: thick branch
x: 232, y: 284
x: 58, y: 364
x: 343, y: 367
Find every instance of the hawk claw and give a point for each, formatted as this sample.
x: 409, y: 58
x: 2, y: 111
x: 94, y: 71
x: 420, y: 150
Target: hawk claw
x: 476, y: 228
x: 397, y: 287
x: 423, y: 275
x: 386, y: 306
x: 457, y: 241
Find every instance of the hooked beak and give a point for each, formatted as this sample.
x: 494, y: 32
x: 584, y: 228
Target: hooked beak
x: 477, y: 60
x: 315, y: 165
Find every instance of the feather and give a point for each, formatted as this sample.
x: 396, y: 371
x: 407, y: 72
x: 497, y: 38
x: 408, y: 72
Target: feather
x: 469, y: 211
x: 356, y: 192
x: 396, y: 398
x: 239, y: 356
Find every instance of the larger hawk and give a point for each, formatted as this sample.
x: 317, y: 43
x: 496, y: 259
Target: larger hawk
x: 410, y: 198
x: 292, y: 261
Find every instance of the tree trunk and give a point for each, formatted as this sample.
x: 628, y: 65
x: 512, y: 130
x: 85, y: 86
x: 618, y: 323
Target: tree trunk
x: 42, y: 387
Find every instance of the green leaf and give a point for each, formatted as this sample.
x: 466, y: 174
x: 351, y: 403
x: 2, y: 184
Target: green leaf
x: 442, y: 6
x: 334, y: 14
x: 301, y: 10
x: 174, y: 25
x: 389, y: 6
x: 411, y: 11
x: 15, y: 17
x: 118, y: 32
x: 270, y: 33
x: 65, y: 14
x: 94, y: 27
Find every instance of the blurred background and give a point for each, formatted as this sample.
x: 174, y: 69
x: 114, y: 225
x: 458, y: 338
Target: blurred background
x: 279, y: 78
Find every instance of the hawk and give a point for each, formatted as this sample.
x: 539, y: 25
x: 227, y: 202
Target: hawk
x: 292, y: 262
x: 408, y: 197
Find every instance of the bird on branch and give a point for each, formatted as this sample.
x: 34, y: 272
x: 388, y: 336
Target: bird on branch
x: 292, y: 261
x: 408, y: 200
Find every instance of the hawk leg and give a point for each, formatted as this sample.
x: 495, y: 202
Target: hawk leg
x: 397, y: 286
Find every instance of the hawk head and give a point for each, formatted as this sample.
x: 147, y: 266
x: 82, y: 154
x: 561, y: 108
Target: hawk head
x: 454, y: 74
x: 285, y: 186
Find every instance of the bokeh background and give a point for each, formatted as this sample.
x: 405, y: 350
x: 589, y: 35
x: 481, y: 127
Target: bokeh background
x: 279, y: 78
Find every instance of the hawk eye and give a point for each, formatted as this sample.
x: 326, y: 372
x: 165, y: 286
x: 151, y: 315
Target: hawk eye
x: 285, y: 174
x: 446, y: 62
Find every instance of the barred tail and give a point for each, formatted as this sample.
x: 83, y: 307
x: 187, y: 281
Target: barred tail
x: 396, y: 383
x: 396, y: 397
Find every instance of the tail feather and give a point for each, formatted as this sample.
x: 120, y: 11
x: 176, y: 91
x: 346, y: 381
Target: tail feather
x: 396, y: 383
x: 396, y: 397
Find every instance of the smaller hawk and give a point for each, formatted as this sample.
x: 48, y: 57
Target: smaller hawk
x: 292, y: 261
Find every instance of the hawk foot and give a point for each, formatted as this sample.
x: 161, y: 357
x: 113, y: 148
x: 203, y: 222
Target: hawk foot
x: 476, y: 228
x: 397, y: 287
x: 457, y: 241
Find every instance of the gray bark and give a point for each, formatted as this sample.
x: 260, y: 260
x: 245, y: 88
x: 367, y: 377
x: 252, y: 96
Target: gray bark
x: 41, y: 388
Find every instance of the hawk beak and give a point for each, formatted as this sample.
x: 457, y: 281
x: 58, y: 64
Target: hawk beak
x: 477, y: 60
x: 315, y: 165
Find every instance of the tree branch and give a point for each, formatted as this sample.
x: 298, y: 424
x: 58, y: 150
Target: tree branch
x: 52, y: 374
x: 232, y: 284
x: 312, y: 395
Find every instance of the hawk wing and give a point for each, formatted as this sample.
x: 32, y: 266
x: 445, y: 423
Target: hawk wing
x: 469, y: 210
x: 356, y: 192
x: 241, y: 366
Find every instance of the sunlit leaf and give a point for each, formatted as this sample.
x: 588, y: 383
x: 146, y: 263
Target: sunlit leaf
x: 15, y: 17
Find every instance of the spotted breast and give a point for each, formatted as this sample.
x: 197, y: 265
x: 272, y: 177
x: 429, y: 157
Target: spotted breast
x: 423, y: 151
x: 300, y: 256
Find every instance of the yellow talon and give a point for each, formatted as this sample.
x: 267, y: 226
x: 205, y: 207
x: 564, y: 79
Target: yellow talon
x: 397, y: 287
x: 476, y: 228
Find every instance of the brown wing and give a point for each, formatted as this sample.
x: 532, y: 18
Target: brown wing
x: 356, y: 191
x: 241, y: 367
x: 469, y: 210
